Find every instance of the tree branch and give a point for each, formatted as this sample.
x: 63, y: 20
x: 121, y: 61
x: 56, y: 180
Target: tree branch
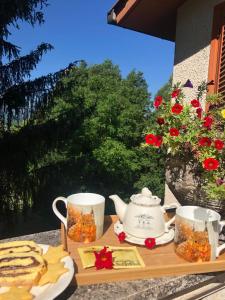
x: 18, y: 69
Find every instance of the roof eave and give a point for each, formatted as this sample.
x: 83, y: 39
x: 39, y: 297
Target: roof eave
x: 123, y: 12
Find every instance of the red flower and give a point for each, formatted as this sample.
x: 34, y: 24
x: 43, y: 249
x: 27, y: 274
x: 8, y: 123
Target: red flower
x: 103, y: 259
x: 158, y: 140
x: 177, y: 108
x: 121, y: 236
x: 219, y: 144
x: 158, y: 101
x: 195, y: 103
x: 210, y: 164
x: 199, y: 112
x: 205, y: 142
x: 174, y: 132
x: 160, y: 121
x: 150, y: 243
x: 208, y: 122
x: 175, y: 93
x: 150, y: 139
x: 154, y: 140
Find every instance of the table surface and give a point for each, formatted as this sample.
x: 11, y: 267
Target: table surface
x: 160, y: 288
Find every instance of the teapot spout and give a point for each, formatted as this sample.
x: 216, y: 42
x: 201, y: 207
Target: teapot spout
x: 120, y: 206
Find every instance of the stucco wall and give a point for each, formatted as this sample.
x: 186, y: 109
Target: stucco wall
x: 194, y: 28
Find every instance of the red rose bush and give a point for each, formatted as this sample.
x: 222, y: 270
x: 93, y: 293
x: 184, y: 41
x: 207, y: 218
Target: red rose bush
x: 185, y: 126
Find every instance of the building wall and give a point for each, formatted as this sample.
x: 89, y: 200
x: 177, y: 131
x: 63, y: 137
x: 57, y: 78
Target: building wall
x: 193, y: 35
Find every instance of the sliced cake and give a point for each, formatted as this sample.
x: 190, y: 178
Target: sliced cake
x: 19, y: 247
x: 21, y: 268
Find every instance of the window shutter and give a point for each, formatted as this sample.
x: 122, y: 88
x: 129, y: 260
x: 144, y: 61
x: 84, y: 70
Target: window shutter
x: 217, y: 52
x: 221, y: 68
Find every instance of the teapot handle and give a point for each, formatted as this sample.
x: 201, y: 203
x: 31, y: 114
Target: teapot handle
x: 165, y: 207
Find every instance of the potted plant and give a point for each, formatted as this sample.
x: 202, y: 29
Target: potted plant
x: 193, y: 139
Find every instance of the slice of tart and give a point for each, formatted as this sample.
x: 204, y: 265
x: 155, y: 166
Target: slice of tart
x: 21, y: 269
x: 19, y: 247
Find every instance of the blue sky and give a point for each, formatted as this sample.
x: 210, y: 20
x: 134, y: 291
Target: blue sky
x: 78, y: 29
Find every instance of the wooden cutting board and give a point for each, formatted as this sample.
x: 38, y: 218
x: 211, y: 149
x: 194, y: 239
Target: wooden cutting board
x: 160, y: 261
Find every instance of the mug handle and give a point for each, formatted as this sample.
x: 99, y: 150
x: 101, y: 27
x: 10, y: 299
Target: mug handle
x: 165, y: 207
x: 221, y: 247
x: 57, y: 213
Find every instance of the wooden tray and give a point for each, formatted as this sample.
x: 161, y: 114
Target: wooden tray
x: 160, y: 261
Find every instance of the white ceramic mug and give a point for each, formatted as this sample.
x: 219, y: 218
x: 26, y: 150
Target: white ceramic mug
x: 197, y: 233
x: 85, y: 216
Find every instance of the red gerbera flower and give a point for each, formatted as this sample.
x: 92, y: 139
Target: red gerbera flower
x: 158, y: 101
x: 175, y: 93
x: 150, y: 139
x: 210, y: 164
x: 177, y: 108
x: 174, y: 132
x: 160, y: 121
x: 219, y: 144
x: 121, y: 236
x: 158, y: 140
x: 205, y: 142
x: 208, y: 122
x: 199, y: 112
x: 195, y: 103
x: 103, y: 259
x: 150, y: 243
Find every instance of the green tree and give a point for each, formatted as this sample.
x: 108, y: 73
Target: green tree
x: 106, y: 117
x: 21, y: 100
x: 89, y: 139
x: 19, y: 97
x: 17, y: 68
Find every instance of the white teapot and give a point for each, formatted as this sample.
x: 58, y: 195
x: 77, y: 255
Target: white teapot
x: 143, y: 217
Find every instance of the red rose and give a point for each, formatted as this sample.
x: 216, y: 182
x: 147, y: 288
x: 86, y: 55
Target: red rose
x: 160, y: 121
x: 174, y: 132
x: 208, y: 122
x: 150, y: 243
x: 199, y: 112
x: 195, y: 103
x: 210, y: 164
x: 158, y: 101
x: 175, y: 93
x: 219, y: 144
x: 177, y: 108
x: 150, y: 139
x: 103, y: 259
x: 158, y: 140
x: 205, y: 142
x: 121, y: 236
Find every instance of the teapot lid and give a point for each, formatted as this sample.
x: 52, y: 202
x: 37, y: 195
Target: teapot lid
x: 145, y: 198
